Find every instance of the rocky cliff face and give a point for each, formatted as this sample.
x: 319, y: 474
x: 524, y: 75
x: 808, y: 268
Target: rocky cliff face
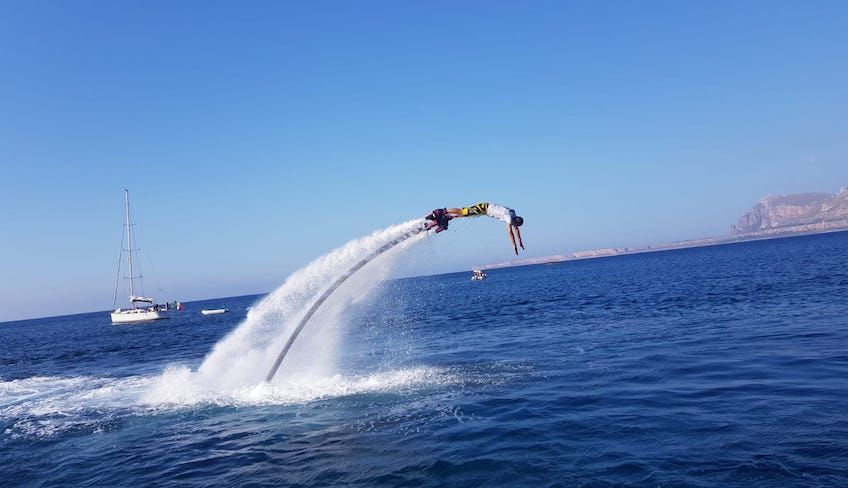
x: 795, y: 212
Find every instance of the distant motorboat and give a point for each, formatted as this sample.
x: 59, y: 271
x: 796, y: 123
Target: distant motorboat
x: 477, y: 275
x: 215, y: 311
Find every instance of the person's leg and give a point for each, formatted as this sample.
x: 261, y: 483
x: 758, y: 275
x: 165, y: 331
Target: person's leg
x: 476, y: 209
x: 439, y: 219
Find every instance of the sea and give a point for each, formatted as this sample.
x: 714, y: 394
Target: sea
x: 719, y: 366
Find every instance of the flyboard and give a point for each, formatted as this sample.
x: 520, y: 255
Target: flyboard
x: 425, y: 226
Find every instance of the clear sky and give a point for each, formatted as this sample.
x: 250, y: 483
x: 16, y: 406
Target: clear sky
x: 256, y: 136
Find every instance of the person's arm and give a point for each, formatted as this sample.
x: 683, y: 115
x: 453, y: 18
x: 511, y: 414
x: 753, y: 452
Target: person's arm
x: 520, y: 242
x: 512, y: 238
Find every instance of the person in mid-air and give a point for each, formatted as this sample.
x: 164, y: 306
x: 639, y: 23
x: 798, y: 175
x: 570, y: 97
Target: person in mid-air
x: 500, y: 212
x: 505, y: 214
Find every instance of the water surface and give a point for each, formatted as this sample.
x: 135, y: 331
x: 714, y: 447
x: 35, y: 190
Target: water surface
x: 720, y: 366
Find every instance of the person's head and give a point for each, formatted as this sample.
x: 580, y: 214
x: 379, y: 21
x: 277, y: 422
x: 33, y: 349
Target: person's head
x: 517, y: 221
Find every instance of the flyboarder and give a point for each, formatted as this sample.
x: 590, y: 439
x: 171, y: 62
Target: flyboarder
x: 442, y: 216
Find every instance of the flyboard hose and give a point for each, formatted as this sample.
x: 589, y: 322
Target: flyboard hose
x: 329, y: 291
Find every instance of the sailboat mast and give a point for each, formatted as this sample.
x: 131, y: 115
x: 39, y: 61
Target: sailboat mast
x: 129, y: 244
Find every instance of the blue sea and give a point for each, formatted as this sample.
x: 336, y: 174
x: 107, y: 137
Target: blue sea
x: 711, y: 367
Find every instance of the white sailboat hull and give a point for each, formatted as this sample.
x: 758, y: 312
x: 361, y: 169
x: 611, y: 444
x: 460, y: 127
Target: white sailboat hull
x: 137, y: 315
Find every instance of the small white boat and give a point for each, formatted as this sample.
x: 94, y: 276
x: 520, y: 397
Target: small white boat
x: 477, y: 275
x: 215, y: 311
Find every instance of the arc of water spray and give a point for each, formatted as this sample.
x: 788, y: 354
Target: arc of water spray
x: 329, y: 291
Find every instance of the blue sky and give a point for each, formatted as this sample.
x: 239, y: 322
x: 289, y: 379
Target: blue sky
x: 256, y: 136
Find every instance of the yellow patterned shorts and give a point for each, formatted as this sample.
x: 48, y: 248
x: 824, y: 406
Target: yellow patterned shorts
x: 477, y: 209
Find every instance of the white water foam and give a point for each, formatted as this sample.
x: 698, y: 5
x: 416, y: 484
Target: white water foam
x: 176, y: 387
x: 43, y: 406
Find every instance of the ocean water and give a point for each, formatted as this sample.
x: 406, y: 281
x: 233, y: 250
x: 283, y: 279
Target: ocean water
x: 715, y: 367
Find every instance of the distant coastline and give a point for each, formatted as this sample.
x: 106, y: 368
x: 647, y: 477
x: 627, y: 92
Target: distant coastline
x: 773, y: 217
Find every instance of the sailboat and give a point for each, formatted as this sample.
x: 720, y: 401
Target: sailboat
x: 142, y: 309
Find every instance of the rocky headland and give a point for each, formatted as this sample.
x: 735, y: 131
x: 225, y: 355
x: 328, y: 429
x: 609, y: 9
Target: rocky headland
x: 801, y: 213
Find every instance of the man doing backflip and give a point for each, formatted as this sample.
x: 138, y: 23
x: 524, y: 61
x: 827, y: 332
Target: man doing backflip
x: 442, y: 216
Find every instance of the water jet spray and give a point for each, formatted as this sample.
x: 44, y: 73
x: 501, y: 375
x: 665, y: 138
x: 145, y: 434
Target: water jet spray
x: 329, y: 291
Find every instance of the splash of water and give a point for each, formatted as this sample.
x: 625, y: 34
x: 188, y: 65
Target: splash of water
x: 244, y: 356
x: 43, y: 406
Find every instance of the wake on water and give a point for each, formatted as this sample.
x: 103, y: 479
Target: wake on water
x: 233, y: 373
